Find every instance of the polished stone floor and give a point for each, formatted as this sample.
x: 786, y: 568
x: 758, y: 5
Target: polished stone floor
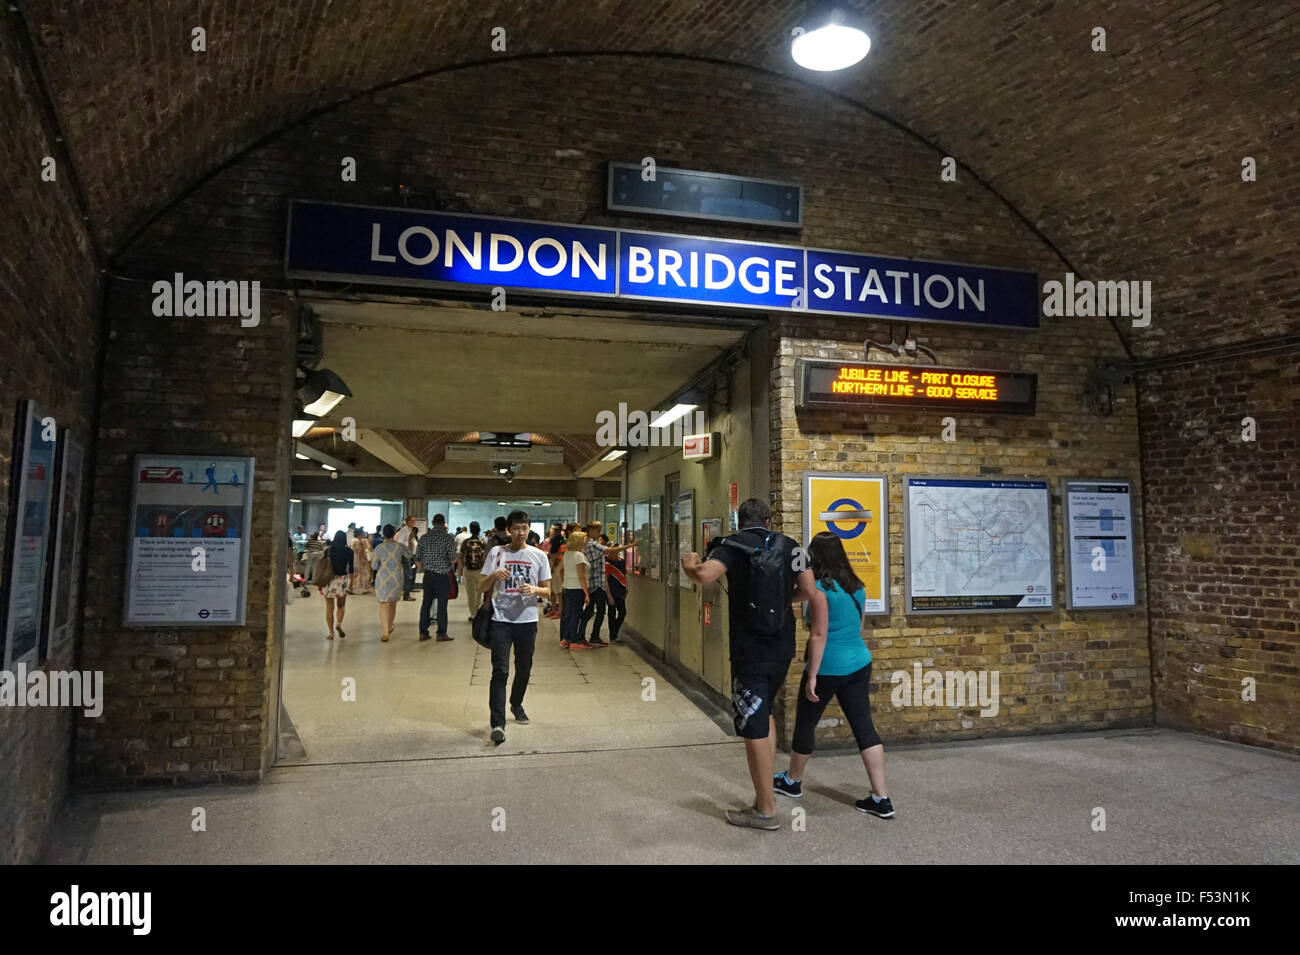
x: 1168, y: 797
x: 416, y: 700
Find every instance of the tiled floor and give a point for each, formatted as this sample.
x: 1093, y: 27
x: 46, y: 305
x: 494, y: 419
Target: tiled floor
x: 418, y: 700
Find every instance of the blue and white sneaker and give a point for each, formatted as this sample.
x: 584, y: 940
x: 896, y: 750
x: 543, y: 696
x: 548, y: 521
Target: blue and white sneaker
x: 786, y: 786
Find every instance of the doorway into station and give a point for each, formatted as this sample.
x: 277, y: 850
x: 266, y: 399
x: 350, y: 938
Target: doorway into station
x: 467, y: 414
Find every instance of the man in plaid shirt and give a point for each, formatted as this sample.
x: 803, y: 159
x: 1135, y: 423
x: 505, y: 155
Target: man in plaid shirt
x: 435, y: 555
x: 595, y: 553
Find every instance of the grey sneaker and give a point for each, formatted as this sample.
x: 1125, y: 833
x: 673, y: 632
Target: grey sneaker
x: 751, y: 819
x: 498, y: 734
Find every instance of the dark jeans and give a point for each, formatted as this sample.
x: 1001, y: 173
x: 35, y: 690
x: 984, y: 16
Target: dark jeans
x: 571, y: 615
x: 436, y: 586
x: 594, y: 609
x: 523, y: 636
x: 617, y: 614
x: 408, y: 576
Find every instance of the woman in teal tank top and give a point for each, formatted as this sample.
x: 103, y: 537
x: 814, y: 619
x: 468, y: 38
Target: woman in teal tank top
x: 840, y: 666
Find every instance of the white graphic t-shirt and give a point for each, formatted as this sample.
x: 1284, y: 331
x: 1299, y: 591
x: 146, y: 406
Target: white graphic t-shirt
x: 526, y: 566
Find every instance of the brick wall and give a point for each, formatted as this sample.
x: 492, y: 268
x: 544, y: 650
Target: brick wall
x: 531, y: 139
x: 48, y: 282
x: 187, y: 704
x: 1223, y: 544
x: 1058, y: 670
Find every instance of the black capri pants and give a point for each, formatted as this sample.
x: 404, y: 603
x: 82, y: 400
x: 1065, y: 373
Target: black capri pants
x: 854, y: 695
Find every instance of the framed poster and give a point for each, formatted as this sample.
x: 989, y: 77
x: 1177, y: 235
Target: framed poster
x: 855, y: 508
x: 1100, y: 572
x: 65, y: 588
x: 652, y: 555
x: 187, y: 563
x: 641, y: 533
x: 685, y: 511
x: 977, y: 546
x: 35, y: 444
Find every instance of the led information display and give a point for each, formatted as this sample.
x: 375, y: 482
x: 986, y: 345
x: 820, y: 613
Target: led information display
x: 848, y: 384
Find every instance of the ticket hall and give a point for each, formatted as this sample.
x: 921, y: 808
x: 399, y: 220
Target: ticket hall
x: 625, y: 274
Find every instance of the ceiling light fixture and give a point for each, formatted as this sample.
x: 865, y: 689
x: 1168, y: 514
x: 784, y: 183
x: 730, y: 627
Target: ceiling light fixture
x: 672, y: 414
x: 321, y: 391
x: 831, y: 36
x: 300, y: 456
x: 302, y: 425
x: 615, y: 454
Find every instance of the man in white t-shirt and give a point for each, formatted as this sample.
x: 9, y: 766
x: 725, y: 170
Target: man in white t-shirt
x: 462, y: 535
x: 514, y: 573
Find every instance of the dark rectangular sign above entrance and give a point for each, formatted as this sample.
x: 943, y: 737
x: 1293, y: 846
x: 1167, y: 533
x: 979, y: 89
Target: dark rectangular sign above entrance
x: 415, y: 247
x: 851, y: 384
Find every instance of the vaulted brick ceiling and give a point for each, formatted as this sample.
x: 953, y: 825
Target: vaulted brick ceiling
x: 1128, y: 161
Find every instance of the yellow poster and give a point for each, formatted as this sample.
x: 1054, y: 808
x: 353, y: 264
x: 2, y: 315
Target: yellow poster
x: 855, y: 508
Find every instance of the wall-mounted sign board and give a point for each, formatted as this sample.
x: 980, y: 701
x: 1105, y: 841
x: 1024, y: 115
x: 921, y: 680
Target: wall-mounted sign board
x: 187, y: 559
x: 854, y: 384
x: 418, y: 247
x: 977, y: 546
x: 1099, y: 567
x: 855, y: 508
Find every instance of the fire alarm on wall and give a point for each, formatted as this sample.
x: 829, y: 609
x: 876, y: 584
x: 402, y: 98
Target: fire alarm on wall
x: 698, y: 447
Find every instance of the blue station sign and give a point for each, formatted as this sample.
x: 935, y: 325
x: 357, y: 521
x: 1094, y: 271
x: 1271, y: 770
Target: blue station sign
x: 414, y: 247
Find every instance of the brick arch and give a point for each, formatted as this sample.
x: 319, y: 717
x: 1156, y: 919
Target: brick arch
x: 1091, y: 149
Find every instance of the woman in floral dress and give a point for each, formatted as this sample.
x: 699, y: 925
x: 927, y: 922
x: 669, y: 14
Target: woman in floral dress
x: 387, y: 561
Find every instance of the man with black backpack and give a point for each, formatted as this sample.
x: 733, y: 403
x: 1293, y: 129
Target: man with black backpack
x: 765, y: 571
x: 469, y: 561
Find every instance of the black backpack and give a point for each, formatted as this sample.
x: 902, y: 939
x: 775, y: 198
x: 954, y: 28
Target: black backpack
x: 767, y: 598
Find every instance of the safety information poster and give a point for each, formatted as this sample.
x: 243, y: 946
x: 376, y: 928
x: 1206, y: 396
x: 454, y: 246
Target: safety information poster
x: 188, y: 561
x: 976, y: 546
x: 1099, y: 543
x: 855, y: 508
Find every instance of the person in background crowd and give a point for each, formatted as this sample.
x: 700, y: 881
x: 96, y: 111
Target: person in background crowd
x: 534, y: 540
x: 389, y: 575
x: 360, y: 562
x: 340, y: 557
x: 300, y: 538
x: 595, y: 553
x: 461, y: 535
x: 616, y: 594
x: 312, y: 555
x: 469, y: 562
x: 555, y: 556
x: 837, y: 665
x: 436, y: 556
x: 576, y: 592
x: 517, y: 571
x: 760, y: 653
x: 499, y: 536
x: 376, y: 538
x: 404, y: 538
